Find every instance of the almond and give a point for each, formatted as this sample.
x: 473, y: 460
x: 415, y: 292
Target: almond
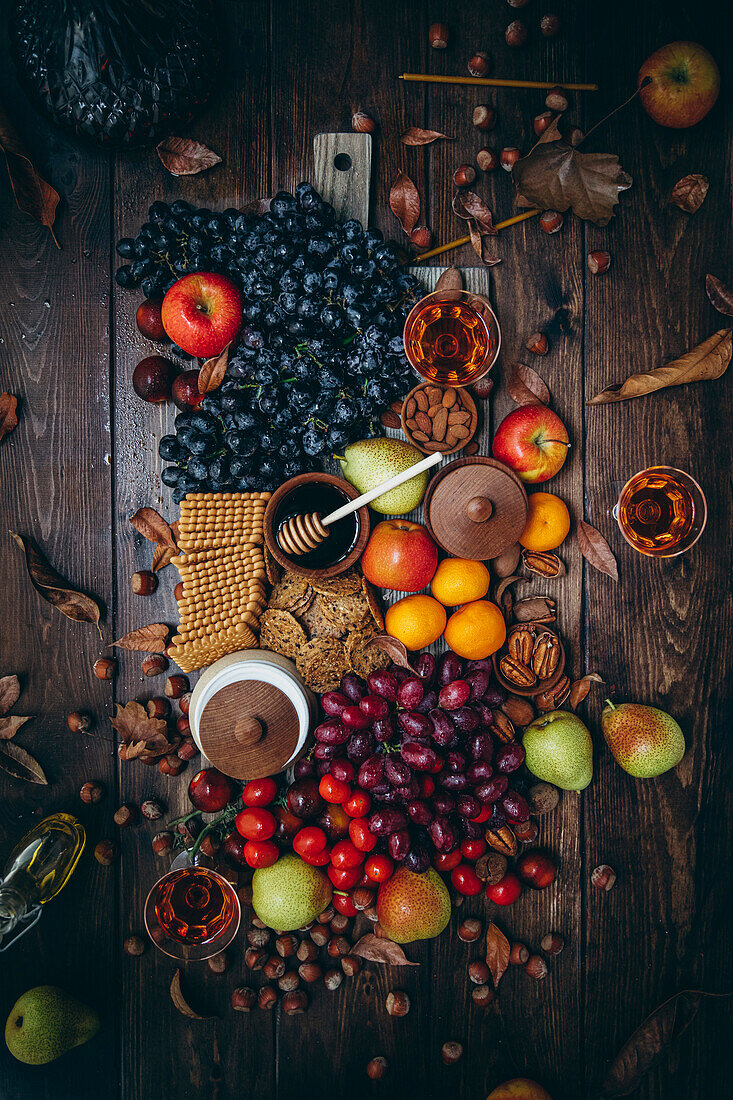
x: 410, y: 407
x: 423, y: 422
x: 420, y: 436
x: 440, y: 423
x: 421, y: 400
x: 449, y: 397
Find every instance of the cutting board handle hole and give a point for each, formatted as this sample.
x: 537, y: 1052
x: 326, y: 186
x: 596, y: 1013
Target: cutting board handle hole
x: 342, y: 162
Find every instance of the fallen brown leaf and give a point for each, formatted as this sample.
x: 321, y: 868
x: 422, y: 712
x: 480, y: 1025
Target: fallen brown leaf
x: 472, y: 209
x: 10, y: 726
x: 580, y: 688
x: 596, y: 550
x: 9, y: 693
x: 651, y: 1039
x: 185, y: 157
x: 497, y: 952
x: 212, y: 373
x: 146, y: 639
x: 394, y: 649
x: 21, y: 765
x: 180, y: 1001
x: 404, y: 202
x: 720, y: 295
x: 382, y: 951
x: 417, y: 136
x: 707, y: 361
x: 8, y: 413
x: 525, y: 386
x: 143, y: 737
x: 153, y: 527
x: 163, y: 555
x: 33, y: 195
x: 689, y: 193
x: 451, y: 279
x: 54, y: 589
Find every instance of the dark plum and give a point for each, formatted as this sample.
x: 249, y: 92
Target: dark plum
x: 443, y: 803
x: 454, y: 695
x: 384, y: 822
x: 492, y: 789
x: 478, y: 681
x: 468, y: 806
x: 427, y: 668
x: 419, y: 812
x: 414, y: 725
x: 450, y: 667
x: 465, y: 719
x: 420, y: 757
x: 417, y: 859
x: 331, y: 733
x: 515, y: 807
x: 443, y: 730
x: 374, y: 707
x: 353, y: 687
x: 303, y: 798
x: 382, y: 683
x: 509, y: 757
x: 410, y: 693
x: 333, y: 702
x: 398, y: 845
x: 371, y: 772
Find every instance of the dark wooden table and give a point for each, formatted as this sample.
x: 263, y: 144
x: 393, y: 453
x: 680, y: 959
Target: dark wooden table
x: 83, y: 459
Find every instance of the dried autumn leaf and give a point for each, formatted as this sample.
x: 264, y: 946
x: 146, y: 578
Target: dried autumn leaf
x: 707, y: 361
x: 404, y: 202
x: 525, y: 386
x: 652, y: 1038
x: 394, y: 649
x: 185, y: 157
x: 720, y: 295
x: 212, y: 373
x: 497, y: 952
x: 54, y: 589
x: 257, y: 206
x: 689, y: 193
x: 146, y: 639
x: 180, y: 1001
x: 580, y: 688
x: 10, y: 726
x: 163, y: 555
x: 451, y: 279
x: 21, y: 765
x: 555, y: 176
x: 9, y: 693
x: 415, y: 135
x: 596, y: 550
x: 471, y: 208
x: 8, y: 413
x: 381, y: 951
x: 33, y: 195
x: 153, y: 527
x: 143, y: 737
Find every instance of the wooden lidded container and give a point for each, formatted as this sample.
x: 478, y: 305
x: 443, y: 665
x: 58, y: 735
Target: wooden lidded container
x: 251, y: 713
x: 476, y: 508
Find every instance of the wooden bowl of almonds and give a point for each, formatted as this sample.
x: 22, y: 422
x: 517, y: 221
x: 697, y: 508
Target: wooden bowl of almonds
x: 439, y: 418
x: 531, y: 661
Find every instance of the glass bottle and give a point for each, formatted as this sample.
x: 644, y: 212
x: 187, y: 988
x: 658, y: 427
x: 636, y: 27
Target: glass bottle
x: 39, y: 866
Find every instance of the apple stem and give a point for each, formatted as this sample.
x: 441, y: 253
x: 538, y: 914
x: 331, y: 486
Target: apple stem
x: 609, y: 704
x: 645, y: 83
x: 560, y: 441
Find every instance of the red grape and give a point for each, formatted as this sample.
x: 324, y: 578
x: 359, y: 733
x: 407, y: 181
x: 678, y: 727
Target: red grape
x: 386, y: 821
x: 374, y: 707
x: 333, y: 702
x: 492, y: 789
x: 355, y: 718
x: 382, y: 683
x: 420, y: 757
x: 331, y: 733
x: 515, y: 807
x: 398, y: 844
x: 454, y: 695
x: 449, y: 668
x: 426, y: 667
x: 510, y: 757
x: 410, y: 693
x: 353, y: 687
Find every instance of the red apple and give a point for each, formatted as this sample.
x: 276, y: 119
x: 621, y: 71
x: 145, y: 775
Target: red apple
x: 533, y: 441
x: 202, y: 313
x: 685, y: 84
x: 185, y: 390
x: 400, y: 555
x: 149, y: 319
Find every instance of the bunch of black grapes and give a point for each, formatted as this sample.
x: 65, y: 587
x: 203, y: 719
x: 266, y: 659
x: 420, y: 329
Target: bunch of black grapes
x: 320, y: 354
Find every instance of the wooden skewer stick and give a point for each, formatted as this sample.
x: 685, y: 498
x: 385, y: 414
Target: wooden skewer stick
x: 466, y: 240
x: 487, y: 81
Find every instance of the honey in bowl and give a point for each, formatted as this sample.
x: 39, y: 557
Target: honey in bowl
x: 452, y: 337
x: 318, y: 496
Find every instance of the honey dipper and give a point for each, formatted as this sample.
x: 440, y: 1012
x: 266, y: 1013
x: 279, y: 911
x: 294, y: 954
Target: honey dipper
x: 301, y: 534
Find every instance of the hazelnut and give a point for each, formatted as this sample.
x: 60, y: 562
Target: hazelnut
x: 79, y: 722
x: 125, y: 815
x: 362, y: 123
x: 185, y: 702
x: 178, y: 591
x: 491, y: 867
x: 551, y: 221
x: 377, y: 1068
x: 371, y: 913
x: 451, y: 1053
x: 479, y: 972
x: 599, y: 262
x: 543, y: 798
x: 482, y: 995
x: 487, y: 160
x: 151, y: 809
x: 362, y: 897
x: 327, y: 915
x: 421, y: 237
x: 537, y: 343
x: 508, y: 158
x: 295, y: 1002
x: 258, y: 937
x: 574, y: 136
x: 552, y: 943
x: 603, y: 877
x: 255, y: 958
x: 158, y: 707
x: 479, y: 64
x: 183, y: 725
x: 274, y: 967
x: 289, y: 981
x: 339, y: 923
x: 187, y: 749
x: 307, y: 951
x: 519, y: 954
x: 154, y: 664
x: 267, y: 997
x: 310, y: 971
x: 286, y: 945
x: 144, y: 583
x: 556, y: 100
x: 526, y: 831
x: 244, y: 998
x: 210, y: 845
x: 105, y: 668
x: 134, y: 945
x: 536, y: 967
x: 162, y: 843
x: 438, y: 36
x: 320, y: 935
x: 517, y: 3
x: 549, y: 25
x: 338, y: 946
x: 105, y: 853
x: 484, y: 117
x: 541, y: 122
x: 91, y: 793
x: 398, y: 1003
x: 171, y: 765
x: 332, y: 979
x: 516, y: 34
x: 464, y: 175
x: 351, y: 965
x: 470, y: 930
x: 218, y: 964
x: 176, y: 686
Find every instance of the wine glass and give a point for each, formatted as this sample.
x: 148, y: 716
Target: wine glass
x: 192, y: 913
x: 452, y: 337
x: 661, y: 511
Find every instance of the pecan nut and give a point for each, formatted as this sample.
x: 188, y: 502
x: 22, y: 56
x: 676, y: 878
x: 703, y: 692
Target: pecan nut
x: 519, y: 711
x: 516, y: 672
x: 546, y: 655
x: 544, y: 565
x: 502, y: 840
x: 555, y: 697
x: 535, y: 609
x: 521, y: 644
x: 502, y: 728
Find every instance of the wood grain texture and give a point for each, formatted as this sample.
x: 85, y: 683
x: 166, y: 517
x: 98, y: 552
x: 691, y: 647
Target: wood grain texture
x: 342, y: 170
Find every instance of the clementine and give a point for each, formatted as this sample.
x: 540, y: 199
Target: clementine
x: 416, y: 621
x: 460, y: 580
x: 548, y: 522
x: 476, y: 630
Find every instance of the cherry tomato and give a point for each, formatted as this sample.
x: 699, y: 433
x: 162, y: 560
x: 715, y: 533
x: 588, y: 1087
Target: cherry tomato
x: 536, y: 869
x: 344, y: 905
x: 254, y: 824
x: 309, y: 841
x: 465, y: 880
x: 334, y: 790
x: 261, y: 853
x: 358, y: 805
x: 360, y: 835
x: 486, y: 812
x: 379, y: 868
x: 345, y: 854
x: 506, y: 891
x: 344, y: 877
x: 318, y: 859
x: 259, y: 792
x: 472, y: 849
x: 446, y: 861
x: 427, y: 785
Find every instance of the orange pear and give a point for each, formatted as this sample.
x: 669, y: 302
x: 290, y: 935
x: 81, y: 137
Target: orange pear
x: 519, y: 1088
x: 413, y: 907
x: 645, y: 741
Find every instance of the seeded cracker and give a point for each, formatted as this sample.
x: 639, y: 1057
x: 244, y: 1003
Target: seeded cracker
x: 272, y: 568
x: 364, y: 658
x: 374, y: 608
x: 346, y: 611
x: 281, y: 633
x: 322, y: 662
x: 290, y: 591
x: 347, y: 584
x: 315, y: 622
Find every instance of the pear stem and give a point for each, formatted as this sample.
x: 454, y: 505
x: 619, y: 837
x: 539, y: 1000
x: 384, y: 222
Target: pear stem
x: 339, y: 458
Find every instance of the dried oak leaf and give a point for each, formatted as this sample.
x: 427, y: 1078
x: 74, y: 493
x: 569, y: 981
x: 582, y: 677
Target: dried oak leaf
x: 596, y: 550
x: 417, y: 136
x: 707, y: 361
x: 212, y: 373
x: 395, y: 650
x: 580, y: 688
x: 153, y: 527
x: 180, y: 1001
x: 404, y: 202
x: 54, y: 589
x: 9, y: 693
x: 555, y: 176
x: 689, y: 193
x: 163, y: 555
x: 33, y: 195
x: 21, y: 765
x: 185, y: 157
x: 451, y: 279
x: 525, y: 386
x: 497, y: 952
x: 8, y: 413
x: 146, y: 639
x: 10, y: 726
x: 472, y: 209
x: 143, y: 737
x: 381, y: 951
x: 652, y: 1038
x: 720, y: 295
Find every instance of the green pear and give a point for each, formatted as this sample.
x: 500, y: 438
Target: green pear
x: 645, y: 741
x: 45, y: 1023
x: 371, y: 461
x: 559, y: 750
x: 289, y: 893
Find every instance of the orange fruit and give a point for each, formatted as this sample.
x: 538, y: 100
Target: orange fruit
x: 460, y: 580
x: 476, y: 630
x: 548, y: 522
x: 416, y: 621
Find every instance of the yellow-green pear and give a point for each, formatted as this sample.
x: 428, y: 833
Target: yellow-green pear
x: 369, y: 462
x: 645, y: 741
x: 289, y: 893
x: 559, y: 750
x: 45, y: 1023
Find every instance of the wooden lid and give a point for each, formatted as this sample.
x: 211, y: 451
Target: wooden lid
x: 249, y: 729
x: 475, y: 508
